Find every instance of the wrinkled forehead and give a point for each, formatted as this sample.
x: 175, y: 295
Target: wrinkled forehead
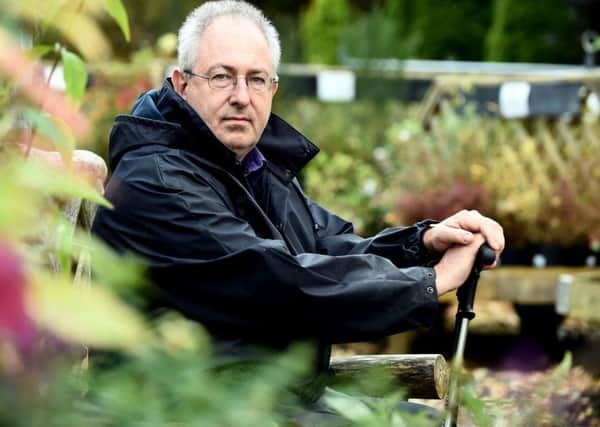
x: 236, y: 42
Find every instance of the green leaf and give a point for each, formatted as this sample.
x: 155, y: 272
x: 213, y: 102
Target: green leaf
x: 7, y: 123
x: 40, y: 50
x: 63, y: 233
x: 63, y: 141
x: 349, y: 408
x: 19, y: 209
x: 124, y: 273
x: 75, y: 75
x: 52, y: 181
x: 116, y: 9
x: 476, y: 407
x: 88, y: 315
x: 564, y: 367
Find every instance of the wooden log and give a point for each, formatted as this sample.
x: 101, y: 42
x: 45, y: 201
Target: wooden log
x: 423, y: 376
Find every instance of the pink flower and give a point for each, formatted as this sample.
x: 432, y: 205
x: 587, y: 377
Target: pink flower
x: 15, y: 324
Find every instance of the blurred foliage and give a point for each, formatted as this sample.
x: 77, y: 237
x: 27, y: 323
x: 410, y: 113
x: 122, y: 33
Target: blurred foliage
x: 451, y: 29
x: 534, y: 410
x: 83, y: 30
x: 115, y: 88
x: 32, y: 223
x: 520, y: 31
x: 158, y: 372
x: 158, y: 385
x: 322, y: 26
x: 380, y: 166
x: 538, y: 178
x: 381, y: 32
x: 346, y: 176
x: 315, y: 30
x: 149, y: 20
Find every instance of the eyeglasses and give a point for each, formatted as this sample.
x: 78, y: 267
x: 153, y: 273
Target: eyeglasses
x: 257, y: 82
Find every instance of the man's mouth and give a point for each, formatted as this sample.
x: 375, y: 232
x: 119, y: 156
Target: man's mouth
x: 233, y: 119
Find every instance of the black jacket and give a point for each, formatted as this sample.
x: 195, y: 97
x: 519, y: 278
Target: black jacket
x: 264, y: 268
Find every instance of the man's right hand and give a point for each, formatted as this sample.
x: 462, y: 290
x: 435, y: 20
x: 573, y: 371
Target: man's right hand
x: 456, y: 264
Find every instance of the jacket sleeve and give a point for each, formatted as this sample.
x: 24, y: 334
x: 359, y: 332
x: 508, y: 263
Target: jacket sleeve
x: 209, y: 264
x: 401, y: 245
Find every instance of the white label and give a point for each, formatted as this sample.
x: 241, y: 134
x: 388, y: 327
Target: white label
x: 514, y: 99
x: 336, y: 86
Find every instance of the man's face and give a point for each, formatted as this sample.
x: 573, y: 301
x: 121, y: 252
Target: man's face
x: 237, y: 116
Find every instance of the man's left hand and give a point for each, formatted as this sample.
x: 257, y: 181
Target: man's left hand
x: 459, y: 228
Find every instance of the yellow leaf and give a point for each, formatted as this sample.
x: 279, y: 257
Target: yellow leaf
x: 73, y: 19
x: 88, y: 315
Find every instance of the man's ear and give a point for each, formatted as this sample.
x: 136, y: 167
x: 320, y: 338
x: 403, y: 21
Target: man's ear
x: 275, y: 87
x: 179, y: 81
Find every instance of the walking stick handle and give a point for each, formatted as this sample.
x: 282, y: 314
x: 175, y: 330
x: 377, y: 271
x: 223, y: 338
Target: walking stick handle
x: 466, y: 293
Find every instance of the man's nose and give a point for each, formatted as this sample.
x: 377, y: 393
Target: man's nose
x: 241, y: 92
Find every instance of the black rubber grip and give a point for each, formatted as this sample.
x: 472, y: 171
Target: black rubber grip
x: 466, y: 293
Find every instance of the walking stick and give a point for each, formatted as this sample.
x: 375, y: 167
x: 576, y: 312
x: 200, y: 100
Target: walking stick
x: 466, y: 296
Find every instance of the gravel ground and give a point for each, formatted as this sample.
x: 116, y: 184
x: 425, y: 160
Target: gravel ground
x: 543, y: 398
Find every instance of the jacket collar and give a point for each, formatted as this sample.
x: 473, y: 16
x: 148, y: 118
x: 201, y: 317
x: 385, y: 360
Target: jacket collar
x: 287, y: 151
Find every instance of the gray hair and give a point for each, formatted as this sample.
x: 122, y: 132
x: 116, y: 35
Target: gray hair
x: 200, y: 18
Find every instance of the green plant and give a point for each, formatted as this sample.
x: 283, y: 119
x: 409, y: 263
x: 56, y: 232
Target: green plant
x: 536, y: 177
x: 451, y: 29
x: 380, y: 33
x: 322, y: 26
x: 346, y: 176
x: 519, y: 32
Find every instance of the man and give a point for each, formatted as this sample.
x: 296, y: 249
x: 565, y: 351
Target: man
x: 204, y: 188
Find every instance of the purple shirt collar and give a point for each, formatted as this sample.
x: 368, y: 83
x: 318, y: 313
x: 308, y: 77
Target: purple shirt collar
x: 253, y: 161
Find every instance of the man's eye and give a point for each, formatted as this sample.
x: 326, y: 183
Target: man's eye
x: 221, y: 77
x: 258, y: 80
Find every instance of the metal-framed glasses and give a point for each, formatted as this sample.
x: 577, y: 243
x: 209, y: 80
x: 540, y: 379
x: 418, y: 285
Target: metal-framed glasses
x: 258, y: 82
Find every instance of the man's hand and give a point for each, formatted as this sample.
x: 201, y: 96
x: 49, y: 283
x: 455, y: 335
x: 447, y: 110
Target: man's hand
x: 456, y: 264
x: 460, y: 229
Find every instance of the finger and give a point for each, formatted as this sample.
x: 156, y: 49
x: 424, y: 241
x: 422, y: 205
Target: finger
x: 444, y: 236
x: 475, y: 222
